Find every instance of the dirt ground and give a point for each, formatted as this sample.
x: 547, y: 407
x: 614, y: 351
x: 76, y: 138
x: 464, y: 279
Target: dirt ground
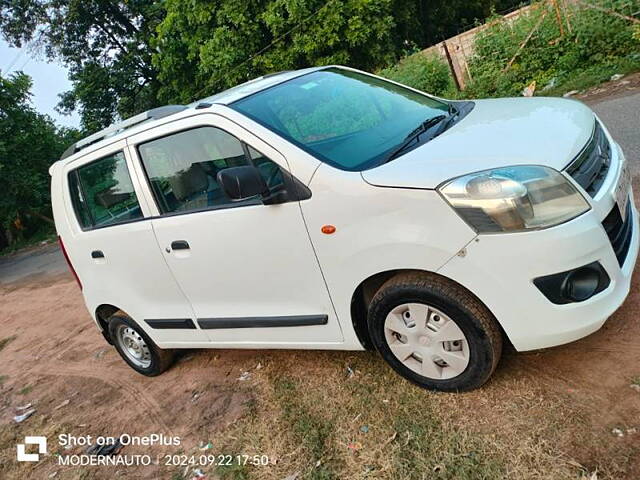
x: 566, y: 412
x: 58, y: 355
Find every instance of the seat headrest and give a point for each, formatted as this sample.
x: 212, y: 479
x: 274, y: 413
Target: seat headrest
x: 189, y: 181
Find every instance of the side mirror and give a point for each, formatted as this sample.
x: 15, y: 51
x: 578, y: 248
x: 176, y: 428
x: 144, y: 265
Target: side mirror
x: 243, y: 182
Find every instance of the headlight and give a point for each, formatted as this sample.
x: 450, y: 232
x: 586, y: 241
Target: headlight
x: 513, y: 199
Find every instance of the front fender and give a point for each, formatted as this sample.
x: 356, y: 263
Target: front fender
x: 377, y: 230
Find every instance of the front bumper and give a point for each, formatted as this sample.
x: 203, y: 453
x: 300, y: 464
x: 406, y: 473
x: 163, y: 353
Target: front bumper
x: 499, y: 270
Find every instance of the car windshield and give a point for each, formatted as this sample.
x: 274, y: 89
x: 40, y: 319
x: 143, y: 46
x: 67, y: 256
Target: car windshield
x: 347, y: 119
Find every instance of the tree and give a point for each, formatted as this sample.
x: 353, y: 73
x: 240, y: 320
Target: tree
x: 104, y: 44
x: 29, y: 143
x: 203, y: 46
x: 126, y: 57
x: 444, y: 19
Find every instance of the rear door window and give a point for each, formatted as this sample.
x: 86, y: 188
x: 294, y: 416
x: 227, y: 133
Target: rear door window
x: 102, y: 193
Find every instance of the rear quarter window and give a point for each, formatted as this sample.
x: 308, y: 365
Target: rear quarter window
x: 102, y: 193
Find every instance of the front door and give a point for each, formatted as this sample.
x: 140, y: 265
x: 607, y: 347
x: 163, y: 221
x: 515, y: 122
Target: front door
x: 248, y: 269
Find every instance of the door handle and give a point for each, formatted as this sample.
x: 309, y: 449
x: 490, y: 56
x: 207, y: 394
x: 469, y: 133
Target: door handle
x: 180, y: 245
x: 97, y: 254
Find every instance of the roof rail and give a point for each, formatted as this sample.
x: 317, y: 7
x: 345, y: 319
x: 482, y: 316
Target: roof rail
x: 153, y: 114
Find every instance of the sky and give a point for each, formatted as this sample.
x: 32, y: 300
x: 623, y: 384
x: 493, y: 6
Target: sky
x: 49, y: 80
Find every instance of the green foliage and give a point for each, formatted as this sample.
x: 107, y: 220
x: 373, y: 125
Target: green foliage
x: 444, y: 19
x: 594, y: 44
x: 426, y: 73
x: 104, y: 44
x: 205, y: 46
x: 594, y: 75
x: 126, y: 57
x: 29, y: 143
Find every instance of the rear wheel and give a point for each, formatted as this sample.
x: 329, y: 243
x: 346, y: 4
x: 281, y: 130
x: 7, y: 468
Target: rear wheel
x: 136, y: 348
x: 434, y: 332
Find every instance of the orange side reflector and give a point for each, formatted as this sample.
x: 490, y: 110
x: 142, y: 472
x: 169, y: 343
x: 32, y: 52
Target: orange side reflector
x: 328, y: 229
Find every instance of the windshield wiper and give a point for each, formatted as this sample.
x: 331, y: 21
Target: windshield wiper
x: 444, y: 125
x: 414, y: 134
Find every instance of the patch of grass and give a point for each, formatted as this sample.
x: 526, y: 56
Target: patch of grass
x: 635, y: 381
x: 235, y: 471
x: 84, y: 474
x: 311, y: 430
x: 595, y: 75
x: 312, y: 418
x: 6, y: 341
x: 3, y: 378
x: 429, y: 446
x: 25, y: 390
x: 252, y: 406
x: 404, y: 423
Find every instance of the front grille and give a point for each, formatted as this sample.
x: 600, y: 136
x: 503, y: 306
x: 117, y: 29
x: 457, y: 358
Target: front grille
x: 590, y: 167
x: 619, y: 231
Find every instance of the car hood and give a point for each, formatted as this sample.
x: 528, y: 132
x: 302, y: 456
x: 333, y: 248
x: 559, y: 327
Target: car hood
x: 496, y: 133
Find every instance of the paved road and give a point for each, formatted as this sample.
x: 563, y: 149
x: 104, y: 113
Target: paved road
x: 621, y: 115
x: 43, y: 260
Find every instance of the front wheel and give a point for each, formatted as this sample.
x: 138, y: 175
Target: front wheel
x: 136, y: 348
x: 434, y: 332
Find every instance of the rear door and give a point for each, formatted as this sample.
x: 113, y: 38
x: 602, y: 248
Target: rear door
x: 114, y: 250
x: 248, y: 269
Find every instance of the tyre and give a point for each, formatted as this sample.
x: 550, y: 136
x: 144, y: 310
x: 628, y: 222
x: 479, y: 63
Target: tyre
x: 434, y: 332
x: 136, y: 348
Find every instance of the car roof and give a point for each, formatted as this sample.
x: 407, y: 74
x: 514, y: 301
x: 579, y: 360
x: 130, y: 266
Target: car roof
x: 252, y: 86
x: 157, y: 116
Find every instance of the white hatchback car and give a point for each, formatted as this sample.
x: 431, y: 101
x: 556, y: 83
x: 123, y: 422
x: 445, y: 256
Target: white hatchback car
x: 328, y: 208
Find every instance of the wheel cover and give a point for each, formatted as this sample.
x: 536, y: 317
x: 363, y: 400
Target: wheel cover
x: 133, y: 346
x: 426, y: 341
